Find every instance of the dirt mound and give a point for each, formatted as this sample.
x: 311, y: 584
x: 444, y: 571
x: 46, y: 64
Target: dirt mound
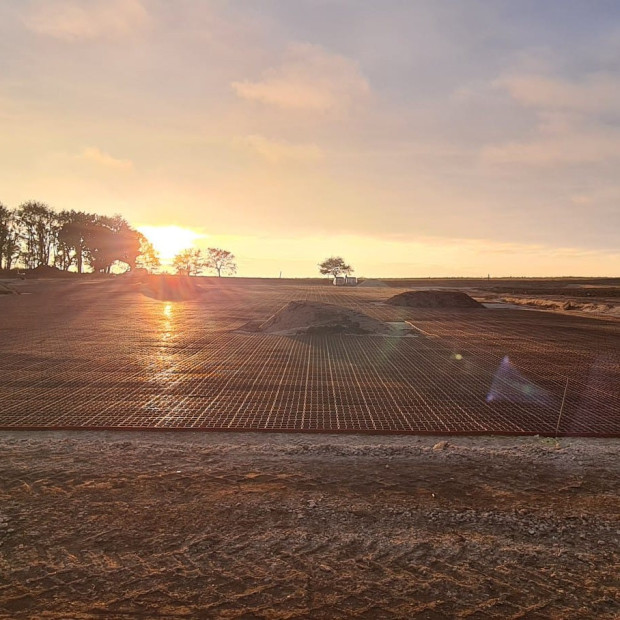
x: 168, y: 287
x: 5, y: 289
x: 380, y: 283
x: 434, y: 299
x: 306, y: 317
x: 45, y: 271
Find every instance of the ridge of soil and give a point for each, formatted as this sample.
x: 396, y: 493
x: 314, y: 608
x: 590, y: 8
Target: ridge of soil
x: 310, y: 317
x: 434, y: 299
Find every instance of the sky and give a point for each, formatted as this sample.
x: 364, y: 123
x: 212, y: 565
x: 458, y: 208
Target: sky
x: 412, y: 137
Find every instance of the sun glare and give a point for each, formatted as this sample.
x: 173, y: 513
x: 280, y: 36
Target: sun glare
x: 169, y: 240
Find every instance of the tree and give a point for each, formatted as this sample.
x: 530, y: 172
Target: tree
x: 334, y: 266
x: 148, y: 258
x: 189, y: 262
x: 9, y: 238
x: 220, y: 261
x: 112, y: 239
x: 72, y: 243
x: 38, y: 229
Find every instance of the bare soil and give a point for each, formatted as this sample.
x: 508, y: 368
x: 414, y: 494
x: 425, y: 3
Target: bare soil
x: 307, y: 317
x: 170, y: 525
x: 434, y: 299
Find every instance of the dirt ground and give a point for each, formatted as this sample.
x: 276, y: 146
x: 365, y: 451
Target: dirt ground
x: 211, y: 525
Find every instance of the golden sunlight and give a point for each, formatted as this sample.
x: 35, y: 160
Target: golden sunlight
x: 168, y: 241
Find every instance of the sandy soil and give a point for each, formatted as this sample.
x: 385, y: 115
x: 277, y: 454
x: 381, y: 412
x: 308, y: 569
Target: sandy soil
x: 604, y: 308
x: 433, y: 299
x: 299, y: 317
x: 139, y: 525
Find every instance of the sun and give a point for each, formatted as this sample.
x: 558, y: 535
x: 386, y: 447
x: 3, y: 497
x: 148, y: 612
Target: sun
x: 168, y: 241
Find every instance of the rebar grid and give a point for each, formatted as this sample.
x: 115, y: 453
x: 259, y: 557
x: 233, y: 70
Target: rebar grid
x: 102, y: 355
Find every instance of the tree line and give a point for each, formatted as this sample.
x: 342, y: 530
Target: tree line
x: 34, y: 235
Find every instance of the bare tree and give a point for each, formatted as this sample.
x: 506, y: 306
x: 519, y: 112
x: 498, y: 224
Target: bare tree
x: 38, y: 229
x: 221, y: 261
x: 189, y: 262
x: 9, y: 238
x: 334, y: 266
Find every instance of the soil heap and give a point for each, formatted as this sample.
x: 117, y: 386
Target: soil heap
x: 7, y: 290
x: 46, y: 271
x: 434, y: 299
x: 169, y: 288
x: 308, y: 317
x: 380, y: 283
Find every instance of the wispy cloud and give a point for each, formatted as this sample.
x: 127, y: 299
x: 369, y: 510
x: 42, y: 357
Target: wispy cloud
x: 309, y: 78
x: 72, y: 20
x: 95, y: 155
x: 594, y: 93
x: 276, y: 151
x: 572, y: 126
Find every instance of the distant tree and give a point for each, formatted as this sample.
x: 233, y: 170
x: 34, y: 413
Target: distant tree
x: 189, y: 262
x: 334, y: 266
x: 112, y: 239
x: 220, y: 261
x: 72, y: 243
x: 9, y: 237
x: 38, y: 229
x: 148, y: 258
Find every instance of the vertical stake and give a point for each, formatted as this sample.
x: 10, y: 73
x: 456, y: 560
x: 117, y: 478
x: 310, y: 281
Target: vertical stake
x: 557, y: 426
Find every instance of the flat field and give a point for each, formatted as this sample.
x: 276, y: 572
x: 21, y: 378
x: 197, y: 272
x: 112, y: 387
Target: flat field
x: 99, y: 354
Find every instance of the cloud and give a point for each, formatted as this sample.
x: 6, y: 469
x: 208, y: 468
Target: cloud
x: 573, y: 125
x: 570, y: 147
x: 71, y: 20
x: 97, y: 156
x: 595, y: 93
x: 309, y: 78
x: 276, y: 151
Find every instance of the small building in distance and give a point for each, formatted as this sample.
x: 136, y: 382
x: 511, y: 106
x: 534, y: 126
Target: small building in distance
x: 339, y: 281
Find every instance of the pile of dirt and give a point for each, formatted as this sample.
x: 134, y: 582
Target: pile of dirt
x: 45, y: 271
x: 611, y: 309
x: 379, y: 283
x: 434, y: 299
x: 308, y: 317
x: 5, y: 289
x: 169, y: 287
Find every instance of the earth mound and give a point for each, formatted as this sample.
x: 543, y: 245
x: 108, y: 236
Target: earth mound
x: 307, y: 317
x: 169, y: 288
x: 5, y: 289
x: 434, y: 299
x: 45, y: 271
x: 374, y: 283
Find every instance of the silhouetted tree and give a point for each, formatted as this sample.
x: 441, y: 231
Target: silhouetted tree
x: 112, y: 239
x: 9, y: 238
x: 72, y: 244
x: 220, y: 261
x: 38, y: 229
x: 189, y: 262
x: 334, y: 266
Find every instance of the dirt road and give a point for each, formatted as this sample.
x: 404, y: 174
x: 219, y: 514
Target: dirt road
x: 124, y: 525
